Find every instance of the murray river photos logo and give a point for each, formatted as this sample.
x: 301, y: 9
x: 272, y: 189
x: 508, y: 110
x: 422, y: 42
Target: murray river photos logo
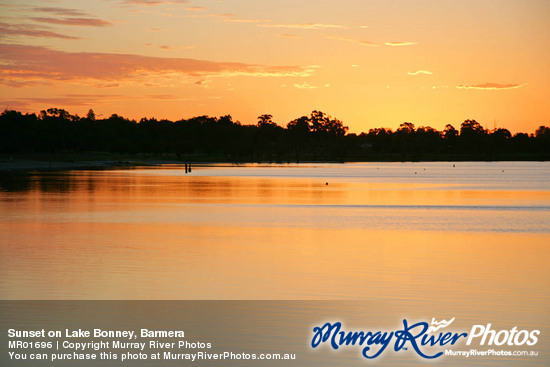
x: 423, y: 338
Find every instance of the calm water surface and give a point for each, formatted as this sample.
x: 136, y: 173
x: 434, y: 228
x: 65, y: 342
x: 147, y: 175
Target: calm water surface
x: 354, y: 231
x: 469, y: 240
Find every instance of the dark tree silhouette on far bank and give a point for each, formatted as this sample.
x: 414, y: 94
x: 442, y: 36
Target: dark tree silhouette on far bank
x: 317, y: 137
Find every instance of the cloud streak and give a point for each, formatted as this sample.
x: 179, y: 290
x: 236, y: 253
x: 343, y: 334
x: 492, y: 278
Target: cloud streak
x: 419, y: 72
x: 303, y: 26
x: 21, y: 64
x: 397, y: 44
x: 286, y: 35
x: 242, y: 20
x: 80, y: 22
x: 196, y: 8
x: 491, y: 86
x: 87, y: 100
x: 61, y: 11
x: 353, y: 40
x: 232, y: 18
x: 155, y: 2
x: 264, y: 23
x: 304, y: 86
x: 30, y: 31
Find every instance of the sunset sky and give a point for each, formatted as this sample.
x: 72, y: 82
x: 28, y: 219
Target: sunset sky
x: 369, y: 63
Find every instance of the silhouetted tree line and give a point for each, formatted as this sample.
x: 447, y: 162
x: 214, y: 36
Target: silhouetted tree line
x: 314, y: 137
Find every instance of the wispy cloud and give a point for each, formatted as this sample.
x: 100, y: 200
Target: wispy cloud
x: 303, y: 26
x: 397, y: 44
x: 166, y: 97
x: 419, y: 72
x: 352, y: 40
x: 222, y: 16
x: 196, y: 8
x: 265, y: 23
x: 304, y: 86
x: 86, y: 100
x: 232, y: 18
x: 286, y: 35
x: 491, y: 86
x: 20, y: 83
x: 21, y: 64
x: 67, y: 12
x: 77, y: 100
x: 81, y: 22
x: 29, y: 30
x: 106, y: 85
x: 243, y: 20
x: 170, y: 48
x: 68, y: 16
x: 155, y: 2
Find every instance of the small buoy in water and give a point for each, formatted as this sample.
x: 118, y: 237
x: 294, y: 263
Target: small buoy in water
x: 453, y: 165
x: 415, y: 173
x: 326, y: 183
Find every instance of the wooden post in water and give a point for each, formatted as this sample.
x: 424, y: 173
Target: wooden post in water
x: 185, y: 167
x: 189, y: 167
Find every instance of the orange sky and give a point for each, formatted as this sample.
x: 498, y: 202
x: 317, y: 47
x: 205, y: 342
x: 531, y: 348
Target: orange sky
x: 369, y: 63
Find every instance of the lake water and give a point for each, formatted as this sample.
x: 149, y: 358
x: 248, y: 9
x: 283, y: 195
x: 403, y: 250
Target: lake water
x: 323, y: 231
x: 464, y: 239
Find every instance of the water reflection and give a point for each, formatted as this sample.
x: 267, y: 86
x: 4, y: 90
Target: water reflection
x: 470, y: 242
x: 254, y: 232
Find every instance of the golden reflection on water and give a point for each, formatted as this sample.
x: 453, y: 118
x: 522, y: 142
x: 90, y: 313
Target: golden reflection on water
x: 136, y: 261
x: 128, y: 235
x: 463, y: 248
x: 257, y: 190
x: 118, y: 235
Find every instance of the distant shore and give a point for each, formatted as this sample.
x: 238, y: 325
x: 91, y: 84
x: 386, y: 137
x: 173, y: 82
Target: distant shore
x: 21, y: 165
x: 57, y: 136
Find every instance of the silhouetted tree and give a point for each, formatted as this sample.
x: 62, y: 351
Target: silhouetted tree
x: 450, y: 132
x: 314, y: 137
x: 90, y: 115
x: 472, y: 137
x: 405, y: 128
x: 265, y: 121
x: 298, y: 132
x: 471, y: 127
x: 269, y: 139
x: 322, y: 123
x: 542, y: 136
